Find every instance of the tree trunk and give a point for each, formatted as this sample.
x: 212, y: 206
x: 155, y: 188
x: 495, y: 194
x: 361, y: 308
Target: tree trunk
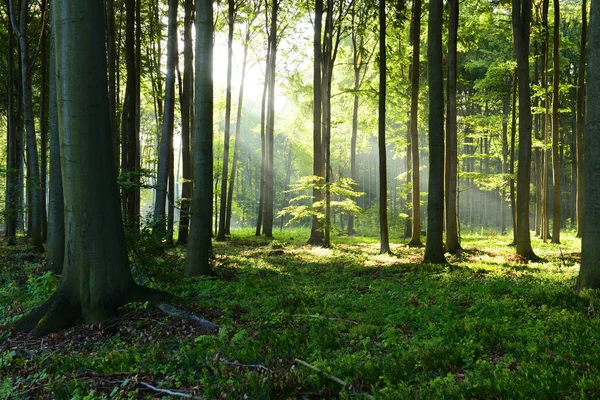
x: 452, y: 239
x: 545, y: 122
x: 227, y: 132
x: 414, y: 126
x: 555, y: 125
x: 316, y: 229
x: 384, y: 239
x: 521, y: 19
x: 55, y: 245
x: 589, y: 273
x: 111, y: 55
x: 434, y: 246
x: 12, y: 168
x: 44, y: 121
x: 199, y: 245
x: 165, y: 157
x: 581, y: 118
x: 187, y: 100
x: 96, y: 280
x: 263, y: 150
x: 513, y: 131
x: 33, y: 174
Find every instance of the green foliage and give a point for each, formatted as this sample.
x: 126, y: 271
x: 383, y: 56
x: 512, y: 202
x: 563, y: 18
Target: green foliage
x: 342, y: 189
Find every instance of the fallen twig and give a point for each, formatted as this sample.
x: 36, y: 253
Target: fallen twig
x: 169, y: 392
x: 331, y: 377
x: 237, y: 364
x: 185, y: 315
x: 328, y: 318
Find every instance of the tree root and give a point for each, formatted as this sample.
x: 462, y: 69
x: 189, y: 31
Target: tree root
x: 168, y: 309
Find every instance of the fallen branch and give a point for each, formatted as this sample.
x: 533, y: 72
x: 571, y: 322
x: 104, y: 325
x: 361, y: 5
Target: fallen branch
x: 331, y: 377
x: 185, y: 315
x: 169, y: 392
x: 328, y: 318
x: 237, y: 364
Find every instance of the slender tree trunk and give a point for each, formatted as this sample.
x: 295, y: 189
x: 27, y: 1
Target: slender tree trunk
x: 581, y: 118
x: 187, y: 100
x: 521, y: 20
x: 545, y: 122
x: 55, y: 245
x: 165, y: 157
x: 357, y: 64
x: 384, y: 238
x: 589, y: 273
x: 452, y: 239
x: 434, y: 247
x: 12, y: 168
x: 316, y: 230
x: 504, y: 166
x: 414, y: 126
x: 33, y: 170
x: 263, y: 150
x: 227, y: 132
x: 44, y: 121
x: 513, y: 131
x: 555, y: 126
x: 199, y: 245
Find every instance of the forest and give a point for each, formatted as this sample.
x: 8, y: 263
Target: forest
x: 299, y: 199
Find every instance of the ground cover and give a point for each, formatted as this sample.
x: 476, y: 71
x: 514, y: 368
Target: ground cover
x: 302, y: 322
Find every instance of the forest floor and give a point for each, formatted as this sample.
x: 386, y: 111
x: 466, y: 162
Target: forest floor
x: 302, y: 322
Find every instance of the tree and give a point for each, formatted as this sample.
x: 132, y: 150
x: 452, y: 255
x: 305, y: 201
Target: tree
x: 452, y: 239
x: 521, y: 19
x: 589, y: 273
x: 434, y: 246
x: 33, y: 169
x: 96, y: 280
x: 199, y: 244
x: 12, y: 166
x: 555, y: 123
x: 384, y: 235
x: 414, y: 124
x: 581, y: 118
x: 165, y: 157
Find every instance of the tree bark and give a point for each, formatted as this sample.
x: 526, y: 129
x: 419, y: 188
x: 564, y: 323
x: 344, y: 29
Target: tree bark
x: 521, y: 20
x: 384, y: 238
x: 589, y: 273
x: 581, y: 118
x: 199, y: 245
x: 414, y: 126
x: 555, y: 126
x: 452, y: 239
x: 12, y: 168
x: 434, y: 246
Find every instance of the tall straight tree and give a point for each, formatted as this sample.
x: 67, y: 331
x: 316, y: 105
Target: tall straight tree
x: 165, y: 156
x: 581, y: 117
x: 452, y: 239
x: 521, y: 20
x: 589, y: 273
x: 434, y: 246
x: 12, y: 167
x: 384, y: 236
x: 96, y: 279
x: 130, y: 146
x: 231, y: 16
x: 555, y: 124
x: 187, y: 101
x: 199, y: 244
x: 33, y: 169
x: 415, y: 37
x: 316, y: 230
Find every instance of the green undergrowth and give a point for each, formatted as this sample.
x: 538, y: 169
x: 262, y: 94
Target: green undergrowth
x: 484, y: 326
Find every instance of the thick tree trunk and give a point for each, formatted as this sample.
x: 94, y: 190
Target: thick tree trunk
x: 111, y: 56
x: 165, y: 157
x: 187, y: 100
x: 199, y: 245
x: 96, y: 279
x: 44, y: 121
x: 12, y: 168
x: 414, y: 126
x: 581, y: 118
x: 434, y: 246
x: 452, y: 239
x: 384, y: 237
x: 521, y: 19
x: 589, y: 273
x: 555, y: 125
x: 227, y: 131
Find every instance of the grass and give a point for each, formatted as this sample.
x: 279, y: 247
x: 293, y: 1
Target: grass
x: 484, y: 326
